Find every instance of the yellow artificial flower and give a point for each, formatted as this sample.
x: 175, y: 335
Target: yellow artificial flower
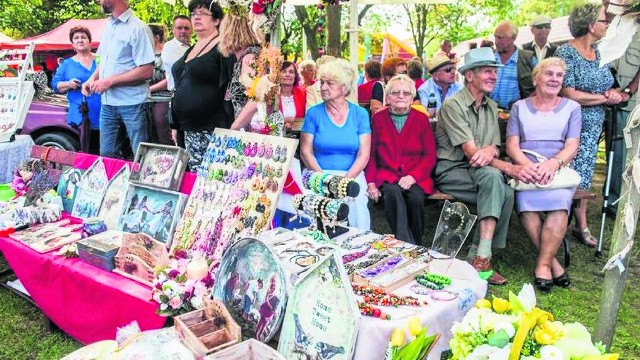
x: 528, y: 321
x: 500, y: 305
x: 397, y: 337
x: 483, y: 304
x: 548, y: 332
x: 414, y: 325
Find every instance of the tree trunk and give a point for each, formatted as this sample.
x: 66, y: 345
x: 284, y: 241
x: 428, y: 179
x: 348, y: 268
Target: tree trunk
x: 614, y: 281
x: 333, y: 30
x: 310, y: 30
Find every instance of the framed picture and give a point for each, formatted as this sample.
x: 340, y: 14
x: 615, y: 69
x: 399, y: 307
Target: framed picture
x: 160, y: 166
x: 322, y: 316
x: 68, y: 187
x: 91, y: 191
x: 150, y: 211
x: 114, y: 197
x: 252, y: 285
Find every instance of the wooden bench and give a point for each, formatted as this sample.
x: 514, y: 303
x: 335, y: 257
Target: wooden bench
x: 579, y: 195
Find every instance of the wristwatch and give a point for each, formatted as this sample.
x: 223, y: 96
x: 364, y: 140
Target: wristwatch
x: 628, y: 91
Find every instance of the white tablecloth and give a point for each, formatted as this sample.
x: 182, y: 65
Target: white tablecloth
x: 438, y: 316
x: 13, y: 154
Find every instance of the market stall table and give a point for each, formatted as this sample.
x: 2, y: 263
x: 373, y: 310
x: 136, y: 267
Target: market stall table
x: 13, y: 154
x: 84, y: 301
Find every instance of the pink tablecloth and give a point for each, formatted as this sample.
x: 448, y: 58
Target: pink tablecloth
x: 86, y: 302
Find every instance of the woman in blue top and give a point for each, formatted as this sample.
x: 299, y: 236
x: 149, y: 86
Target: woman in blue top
x: 336, y: 135
x: 68, y: 80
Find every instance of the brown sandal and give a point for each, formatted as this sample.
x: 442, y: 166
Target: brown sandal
x: 585, y: 237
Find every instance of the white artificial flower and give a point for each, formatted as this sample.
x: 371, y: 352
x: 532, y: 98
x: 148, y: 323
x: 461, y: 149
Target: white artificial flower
x: 488, y: 352
x: 507, y: 327
x: 196, y: 302
x: 527, y: 297
x: 550, y: 352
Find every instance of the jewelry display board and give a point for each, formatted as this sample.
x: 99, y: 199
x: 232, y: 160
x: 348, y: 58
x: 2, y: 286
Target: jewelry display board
x: 252, y: 285
x: 91, y: 191
x: 16, y: 94
x: 150, y: 211
x: 236, y: 191
x: 160, y: 166
x: 114, y: 197
x: 454, y: 226
x: 322, y: 318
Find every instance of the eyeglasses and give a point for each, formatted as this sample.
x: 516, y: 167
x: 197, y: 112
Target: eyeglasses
x: 447, y: 69
x: 397, y: 93
x: 605, y: 21
x: 200, y: 13
x: 542, y: 26
x: 401, y: 72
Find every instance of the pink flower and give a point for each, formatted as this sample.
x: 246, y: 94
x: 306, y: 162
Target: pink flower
x: 257, y: 8
x: 173, y: 273
x: 180, y: 254
x: 175, y: 302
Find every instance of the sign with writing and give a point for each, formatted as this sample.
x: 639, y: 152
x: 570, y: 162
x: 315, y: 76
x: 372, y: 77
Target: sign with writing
x: 322, y: 317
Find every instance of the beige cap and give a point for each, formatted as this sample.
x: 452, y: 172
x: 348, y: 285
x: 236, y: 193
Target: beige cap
x: 541, y: 20
x: 437, y: 62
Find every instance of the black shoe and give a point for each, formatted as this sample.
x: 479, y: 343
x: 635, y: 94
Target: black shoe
x: 544, y: 285
x: 563, y: 280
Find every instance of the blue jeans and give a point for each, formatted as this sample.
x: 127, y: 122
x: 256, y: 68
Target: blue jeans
x: 112, y: 119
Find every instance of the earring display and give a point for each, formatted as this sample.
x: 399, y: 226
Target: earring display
x: 236, y: 191
x: 16, y: 94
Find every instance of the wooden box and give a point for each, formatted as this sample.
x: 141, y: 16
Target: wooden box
x: 138, y: 257
x: 208, y: 330
x: 100, y: 249
x: 160, y: 166
x: 400, y: 276
x: 248, y: 349
x: 364, y: 276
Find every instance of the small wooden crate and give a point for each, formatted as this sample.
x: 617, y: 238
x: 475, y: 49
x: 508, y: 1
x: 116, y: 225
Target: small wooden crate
x: 208, y: 330
x: 159, y: 166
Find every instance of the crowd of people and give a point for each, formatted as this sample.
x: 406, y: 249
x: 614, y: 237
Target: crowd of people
x: 379, y: 133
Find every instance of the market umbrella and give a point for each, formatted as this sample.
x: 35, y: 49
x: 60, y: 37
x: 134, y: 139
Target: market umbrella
x: 85, y: 126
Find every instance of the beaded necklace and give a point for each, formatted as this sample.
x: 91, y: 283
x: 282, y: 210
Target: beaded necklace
x: 433, y: 281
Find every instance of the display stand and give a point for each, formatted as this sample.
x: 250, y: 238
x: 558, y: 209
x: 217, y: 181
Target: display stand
x: 327, y: 203
x: 16, y: 93
x: 235, y: 195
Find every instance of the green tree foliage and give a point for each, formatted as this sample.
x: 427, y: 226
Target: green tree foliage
x: 291, y: 39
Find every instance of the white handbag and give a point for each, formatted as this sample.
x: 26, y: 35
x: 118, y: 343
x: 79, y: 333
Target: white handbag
x: 565, y: 178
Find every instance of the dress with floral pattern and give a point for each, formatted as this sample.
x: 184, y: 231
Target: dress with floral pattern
x: 587, y: 76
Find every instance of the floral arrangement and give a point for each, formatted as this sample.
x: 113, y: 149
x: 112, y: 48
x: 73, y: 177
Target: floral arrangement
x: 265, y: 12
x: 176, y: 291
x: 416, y: 348
x: 517, y: 330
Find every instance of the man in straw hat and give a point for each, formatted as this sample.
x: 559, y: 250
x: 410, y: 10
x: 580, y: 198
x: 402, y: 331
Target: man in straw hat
x: 468, y: 165
x: 442, y: 82
x: 540, y: 28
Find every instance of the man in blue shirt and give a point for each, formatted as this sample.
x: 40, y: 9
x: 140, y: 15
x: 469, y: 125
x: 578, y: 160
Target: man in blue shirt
x: 126, y: 60
x: 442, y: 82
x: 514, y: 78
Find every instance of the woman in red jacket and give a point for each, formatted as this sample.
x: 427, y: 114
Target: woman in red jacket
x: 403, y: 154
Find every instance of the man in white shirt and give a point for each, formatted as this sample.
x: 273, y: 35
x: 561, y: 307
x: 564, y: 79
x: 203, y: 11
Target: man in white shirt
x: 175, y: 48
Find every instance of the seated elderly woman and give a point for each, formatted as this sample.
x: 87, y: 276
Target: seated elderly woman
x: 403, y: 154
x: 336, y: 135
x: 549, y: 125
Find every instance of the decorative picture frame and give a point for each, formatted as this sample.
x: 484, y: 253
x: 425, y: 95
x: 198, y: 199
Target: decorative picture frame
x: 114, y: 197
x: 68, y: 187
x: 322, y: 317
x: 138, y: 257
x: 91, y: 191
x: 252, y: 285
x: 160, y: 166
x: 154, y: 212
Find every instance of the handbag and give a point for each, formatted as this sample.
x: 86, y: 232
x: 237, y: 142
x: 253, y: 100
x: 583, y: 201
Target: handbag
x: 565, y: 178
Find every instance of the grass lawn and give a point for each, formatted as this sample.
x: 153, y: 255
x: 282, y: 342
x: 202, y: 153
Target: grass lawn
x: 23, y: 333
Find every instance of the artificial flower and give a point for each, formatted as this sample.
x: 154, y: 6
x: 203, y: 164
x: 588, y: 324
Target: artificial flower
x: 508, y: 328
x: 175, y: 302
x: 414, y: 325
x: 483, y: 304
x: 500, y: 305
x: 548, y: 332
x: 550, y: 352
x: 397, y: 337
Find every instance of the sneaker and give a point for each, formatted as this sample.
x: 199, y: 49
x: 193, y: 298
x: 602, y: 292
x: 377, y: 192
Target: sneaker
x: 482, y: 264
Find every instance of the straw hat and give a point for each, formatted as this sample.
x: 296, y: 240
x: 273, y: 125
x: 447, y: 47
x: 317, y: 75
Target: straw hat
x: 437, y: 62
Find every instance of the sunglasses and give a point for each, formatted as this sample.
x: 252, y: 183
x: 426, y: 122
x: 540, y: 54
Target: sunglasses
x: 447, y: 69
x: 542, y: 26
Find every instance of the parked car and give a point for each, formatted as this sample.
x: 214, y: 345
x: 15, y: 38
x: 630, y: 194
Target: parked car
x: 46, y: 122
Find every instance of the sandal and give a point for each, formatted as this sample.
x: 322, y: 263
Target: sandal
x: 585, y: 237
